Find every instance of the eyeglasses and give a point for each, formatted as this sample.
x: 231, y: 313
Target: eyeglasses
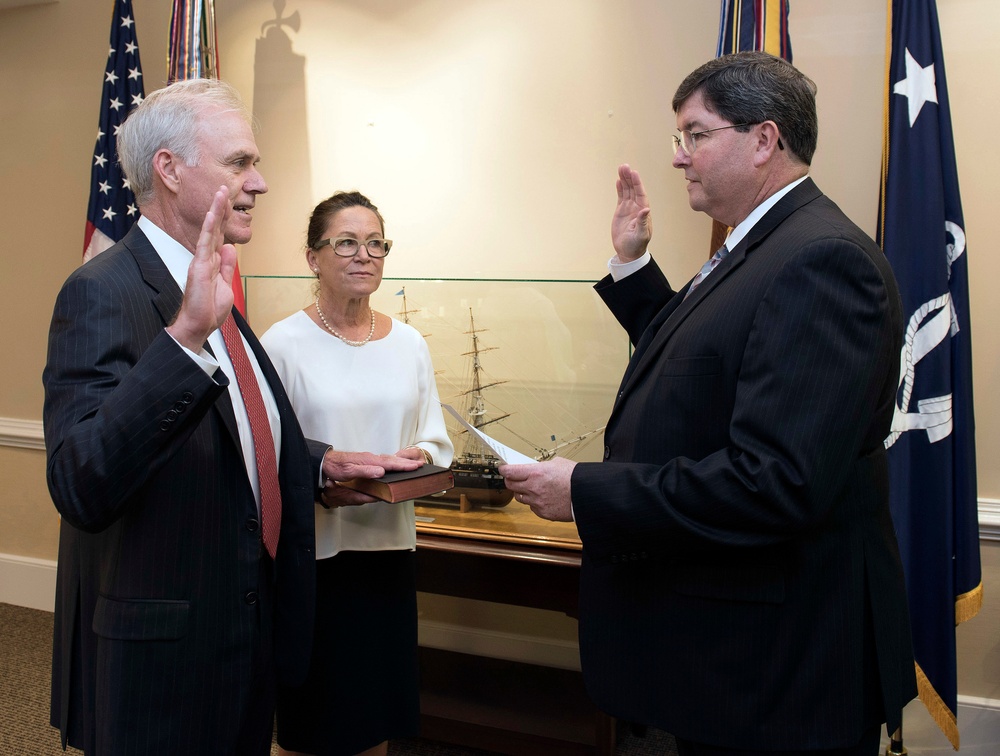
x: 688, y: 141
x: 348, y: 247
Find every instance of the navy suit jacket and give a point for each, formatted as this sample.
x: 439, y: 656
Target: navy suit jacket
x: 165, y: 607
x: 741, y: 583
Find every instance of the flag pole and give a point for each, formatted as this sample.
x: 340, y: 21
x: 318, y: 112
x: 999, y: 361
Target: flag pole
x: 896, y: 747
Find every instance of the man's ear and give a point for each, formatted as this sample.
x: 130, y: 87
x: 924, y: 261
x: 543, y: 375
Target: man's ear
x: 165, y: 166
x: 768, y: 142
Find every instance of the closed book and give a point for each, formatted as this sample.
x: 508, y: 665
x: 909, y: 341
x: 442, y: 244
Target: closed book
x: 405, y: 485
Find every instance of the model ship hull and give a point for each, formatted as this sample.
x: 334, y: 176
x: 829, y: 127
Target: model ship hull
x: 479, y: 482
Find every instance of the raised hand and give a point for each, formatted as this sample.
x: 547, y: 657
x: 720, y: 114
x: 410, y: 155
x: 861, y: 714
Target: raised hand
x: 208, y: 293
x: 631, y: 225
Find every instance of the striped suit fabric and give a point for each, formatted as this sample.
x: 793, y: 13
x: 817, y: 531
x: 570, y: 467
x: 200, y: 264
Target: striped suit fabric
x: 741, y: 583
x: 169, y: 622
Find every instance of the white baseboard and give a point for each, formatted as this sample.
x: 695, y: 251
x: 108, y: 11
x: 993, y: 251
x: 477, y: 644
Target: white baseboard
x: 978, y: 729
x: 29, y: 582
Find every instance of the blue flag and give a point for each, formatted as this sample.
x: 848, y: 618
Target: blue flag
x: 932, y: 454
x: 112, y: 209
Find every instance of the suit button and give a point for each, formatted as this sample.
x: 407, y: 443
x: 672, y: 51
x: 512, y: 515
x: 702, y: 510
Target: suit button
x: 252, y: 525
x: 187, y: 397
x: 171, y: 415
x: 607, y: 452
x: 165, y: 425
x: 179, y: 407
x: 615, y: 559
x: 250, y: 597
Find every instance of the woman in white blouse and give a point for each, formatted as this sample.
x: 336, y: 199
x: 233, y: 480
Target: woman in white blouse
x: 360, y: 380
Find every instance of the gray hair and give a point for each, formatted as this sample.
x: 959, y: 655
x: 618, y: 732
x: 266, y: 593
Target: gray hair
x: 170, y: 118
x: 753, y: 87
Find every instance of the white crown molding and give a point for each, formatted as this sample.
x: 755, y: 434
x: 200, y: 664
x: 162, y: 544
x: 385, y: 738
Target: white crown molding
x: 21, y: 434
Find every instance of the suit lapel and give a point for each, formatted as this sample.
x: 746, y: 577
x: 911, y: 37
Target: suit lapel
x: 166, y: 293
x: 675, y: 312
x: 166, y: 299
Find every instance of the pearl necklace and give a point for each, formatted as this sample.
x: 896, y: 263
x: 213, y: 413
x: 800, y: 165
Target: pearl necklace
x: 331, y: 329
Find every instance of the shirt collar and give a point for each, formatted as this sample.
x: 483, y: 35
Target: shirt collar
x: 737, y: 234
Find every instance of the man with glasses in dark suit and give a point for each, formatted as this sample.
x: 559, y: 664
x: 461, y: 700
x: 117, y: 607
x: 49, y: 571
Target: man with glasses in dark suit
x: 741, y: 585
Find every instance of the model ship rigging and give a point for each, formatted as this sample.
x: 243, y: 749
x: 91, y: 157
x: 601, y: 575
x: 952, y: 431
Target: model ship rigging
x: 475, y: 466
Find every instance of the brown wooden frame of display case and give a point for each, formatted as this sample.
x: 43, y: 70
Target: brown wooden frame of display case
x: 496, y: 705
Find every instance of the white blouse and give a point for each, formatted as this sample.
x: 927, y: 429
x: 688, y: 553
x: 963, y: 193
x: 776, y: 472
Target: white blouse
x: 380, y: 398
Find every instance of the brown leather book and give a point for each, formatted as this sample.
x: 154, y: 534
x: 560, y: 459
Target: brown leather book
x: 402, y: 486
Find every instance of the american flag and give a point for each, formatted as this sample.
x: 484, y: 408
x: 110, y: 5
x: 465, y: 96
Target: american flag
x: 112, y: 208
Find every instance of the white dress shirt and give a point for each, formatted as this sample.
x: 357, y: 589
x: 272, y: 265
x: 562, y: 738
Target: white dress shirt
x: 178, y: 259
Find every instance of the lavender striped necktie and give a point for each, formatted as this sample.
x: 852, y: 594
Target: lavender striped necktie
x: 707, y: 268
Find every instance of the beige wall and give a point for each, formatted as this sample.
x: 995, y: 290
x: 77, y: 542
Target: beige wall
x: 488, y: 132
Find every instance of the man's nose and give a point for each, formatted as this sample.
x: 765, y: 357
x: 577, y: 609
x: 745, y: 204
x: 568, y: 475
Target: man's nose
x: 255, y: 184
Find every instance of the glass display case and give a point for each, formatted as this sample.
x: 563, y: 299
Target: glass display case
x: 534, y: 363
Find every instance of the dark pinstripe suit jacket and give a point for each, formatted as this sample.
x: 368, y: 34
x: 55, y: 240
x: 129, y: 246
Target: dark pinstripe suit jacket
x: 161, y: 611
x: 741, y: 582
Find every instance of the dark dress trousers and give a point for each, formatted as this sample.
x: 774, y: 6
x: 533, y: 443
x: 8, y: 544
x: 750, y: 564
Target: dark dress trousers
x: 741, y: 583
x: 171, y: 621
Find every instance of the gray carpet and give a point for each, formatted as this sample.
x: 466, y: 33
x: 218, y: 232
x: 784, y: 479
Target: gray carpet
x: 25, y: 667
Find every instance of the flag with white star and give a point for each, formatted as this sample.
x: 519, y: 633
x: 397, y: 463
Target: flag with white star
x: 931, y: 449
x: 112, y: 208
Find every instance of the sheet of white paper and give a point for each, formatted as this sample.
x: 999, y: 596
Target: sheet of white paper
x: 508, y: 455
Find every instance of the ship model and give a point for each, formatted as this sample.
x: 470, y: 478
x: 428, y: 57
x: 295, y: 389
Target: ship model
x: 475, y: 467
x: 477, y: 481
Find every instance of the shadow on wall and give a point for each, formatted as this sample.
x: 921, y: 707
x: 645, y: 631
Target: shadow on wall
x: 279, y: 105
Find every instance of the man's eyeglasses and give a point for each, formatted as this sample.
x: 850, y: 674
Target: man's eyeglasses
x: 348, y: 247
x: 688, y: 141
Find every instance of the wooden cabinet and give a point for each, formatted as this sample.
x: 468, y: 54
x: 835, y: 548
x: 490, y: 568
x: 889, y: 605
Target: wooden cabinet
x: 497, y: 705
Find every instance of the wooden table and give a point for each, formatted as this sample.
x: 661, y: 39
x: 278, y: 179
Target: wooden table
x: 497, y: 705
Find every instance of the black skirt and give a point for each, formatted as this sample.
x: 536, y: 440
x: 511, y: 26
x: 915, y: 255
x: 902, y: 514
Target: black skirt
x: 362, y: 686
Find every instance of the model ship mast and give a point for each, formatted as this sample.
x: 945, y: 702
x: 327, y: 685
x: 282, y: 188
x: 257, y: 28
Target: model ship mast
x: 475, y: 468
x: 405, y: 313
x: 476, y: 406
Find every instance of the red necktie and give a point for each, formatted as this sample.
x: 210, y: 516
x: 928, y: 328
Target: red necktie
x: 263, y: 440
